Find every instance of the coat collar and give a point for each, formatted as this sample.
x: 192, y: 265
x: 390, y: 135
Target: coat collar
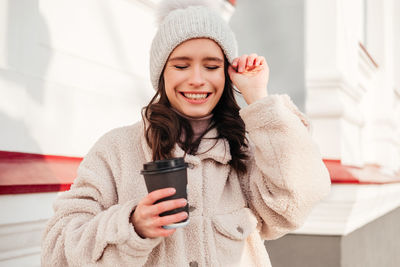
x: 219, y: 152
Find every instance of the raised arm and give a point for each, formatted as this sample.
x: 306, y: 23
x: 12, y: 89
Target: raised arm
x: 287, y: 176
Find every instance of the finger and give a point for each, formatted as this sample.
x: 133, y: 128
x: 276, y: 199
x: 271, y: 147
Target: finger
x: 265, y: 64
x: 164, y: 232
x: 250, y: 60
x: 235, y: 62
x: 169, y: 219
x: 263, y: 61
x: 168, y: 205
x: 258, y: 61
x: 158, y: 194
x: 242, y: 63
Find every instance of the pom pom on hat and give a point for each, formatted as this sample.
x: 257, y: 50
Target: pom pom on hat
x: 181, y: 20
x: 167, y: 6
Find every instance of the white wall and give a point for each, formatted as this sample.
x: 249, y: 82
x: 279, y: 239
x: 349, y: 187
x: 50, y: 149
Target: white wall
x: 70, y: 71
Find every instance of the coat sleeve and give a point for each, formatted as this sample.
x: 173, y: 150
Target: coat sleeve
x: 90, y: 227
x: 286, y: 175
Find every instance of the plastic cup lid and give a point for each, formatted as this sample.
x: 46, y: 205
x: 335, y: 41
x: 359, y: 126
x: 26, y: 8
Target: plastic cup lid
x: 164, y: 164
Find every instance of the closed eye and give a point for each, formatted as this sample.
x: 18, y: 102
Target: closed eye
x: 209, y: 68
x: 213, y: 68
x: 180, y: 67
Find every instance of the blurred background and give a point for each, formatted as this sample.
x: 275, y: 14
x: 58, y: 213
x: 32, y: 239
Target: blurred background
x: 72, y: 70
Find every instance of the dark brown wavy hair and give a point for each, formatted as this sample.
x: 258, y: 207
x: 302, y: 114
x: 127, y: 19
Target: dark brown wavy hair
x: 166, y: 126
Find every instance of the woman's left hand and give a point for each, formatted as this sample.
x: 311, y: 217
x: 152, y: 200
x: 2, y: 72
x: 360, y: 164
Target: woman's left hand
x: 250, y: 75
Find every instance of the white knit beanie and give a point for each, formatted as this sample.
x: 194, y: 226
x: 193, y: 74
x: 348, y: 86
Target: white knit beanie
x: 181, y: 20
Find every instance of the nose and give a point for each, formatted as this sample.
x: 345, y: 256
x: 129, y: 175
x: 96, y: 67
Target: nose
x: 196, y: 78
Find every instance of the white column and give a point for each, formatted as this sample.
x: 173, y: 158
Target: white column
x: 396, y: 76
x: 333, y: 90
x: 380, y: 141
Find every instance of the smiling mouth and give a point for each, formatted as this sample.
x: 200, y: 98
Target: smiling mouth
x: 195, y: 96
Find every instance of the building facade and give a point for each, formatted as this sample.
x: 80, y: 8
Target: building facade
x: 72, y: 70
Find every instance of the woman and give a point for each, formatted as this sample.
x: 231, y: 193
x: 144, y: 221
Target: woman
x: 241, y: 190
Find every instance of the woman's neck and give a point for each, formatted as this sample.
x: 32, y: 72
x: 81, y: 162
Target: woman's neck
x: 199, y: 125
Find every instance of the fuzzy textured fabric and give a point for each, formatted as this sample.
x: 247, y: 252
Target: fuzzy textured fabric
x: 181, y: 20
x: 230, y: 215
x: 167, y: 6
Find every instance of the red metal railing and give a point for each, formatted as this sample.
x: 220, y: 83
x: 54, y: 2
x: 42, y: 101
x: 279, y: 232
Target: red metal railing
x: 32, y: 173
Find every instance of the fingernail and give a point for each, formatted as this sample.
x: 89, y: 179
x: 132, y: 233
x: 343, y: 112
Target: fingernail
x: 172, y: 190
x: 183, y: 201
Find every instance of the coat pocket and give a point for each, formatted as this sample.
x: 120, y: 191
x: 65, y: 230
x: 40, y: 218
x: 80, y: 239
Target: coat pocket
x: 236, y: 225
x: 230, y: 233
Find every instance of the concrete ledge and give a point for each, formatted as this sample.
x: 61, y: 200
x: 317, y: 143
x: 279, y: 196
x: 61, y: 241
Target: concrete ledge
x: 374, y: 244
x: 349, y: 207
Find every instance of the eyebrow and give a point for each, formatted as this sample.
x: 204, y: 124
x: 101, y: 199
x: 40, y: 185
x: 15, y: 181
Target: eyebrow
x: 217, y: 59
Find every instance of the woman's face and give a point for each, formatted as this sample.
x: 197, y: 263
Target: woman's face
x: 194, y: 77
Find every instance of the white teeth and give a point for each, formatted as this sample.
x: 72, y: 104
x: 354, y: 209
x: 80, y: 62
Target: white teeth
x: 195, y: 96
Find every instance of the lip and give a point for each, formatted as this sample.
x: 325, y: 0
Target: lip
x: 196, y: 101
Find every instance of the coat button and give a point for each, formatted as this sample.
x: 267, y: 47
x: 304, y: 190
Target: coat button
x: 191, y: 208
x: 190, y: 166
x: 193, y: 264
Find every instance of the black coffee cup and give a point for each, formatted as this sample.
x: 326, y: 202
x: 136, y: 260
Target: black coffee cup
x: 168, y: 173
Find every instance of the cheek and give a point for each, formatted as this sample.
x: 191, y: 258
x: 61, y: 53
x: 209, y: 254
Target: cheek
x: 219, y: 80
x: 173, y: 79
x: 168, y: 87
x: 169, y: 82
x: 169, y: 94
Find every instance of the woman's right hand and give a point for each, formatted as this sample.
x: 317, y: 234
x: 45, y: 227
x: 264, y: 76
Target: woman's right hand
x: 146, y: 219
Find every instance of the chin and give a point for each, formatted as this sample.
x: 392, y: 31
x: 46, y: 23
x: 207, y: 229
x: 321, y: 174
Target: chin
x: 197, y: 114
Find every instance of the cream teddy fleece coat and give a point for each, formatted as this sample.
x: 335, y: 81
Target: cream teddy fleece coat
x: 230, y: 215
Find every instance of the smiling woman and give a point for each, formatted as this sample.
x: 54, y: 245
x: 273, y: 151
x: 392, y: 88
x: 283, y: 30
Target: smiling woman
x: 241, y: 188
